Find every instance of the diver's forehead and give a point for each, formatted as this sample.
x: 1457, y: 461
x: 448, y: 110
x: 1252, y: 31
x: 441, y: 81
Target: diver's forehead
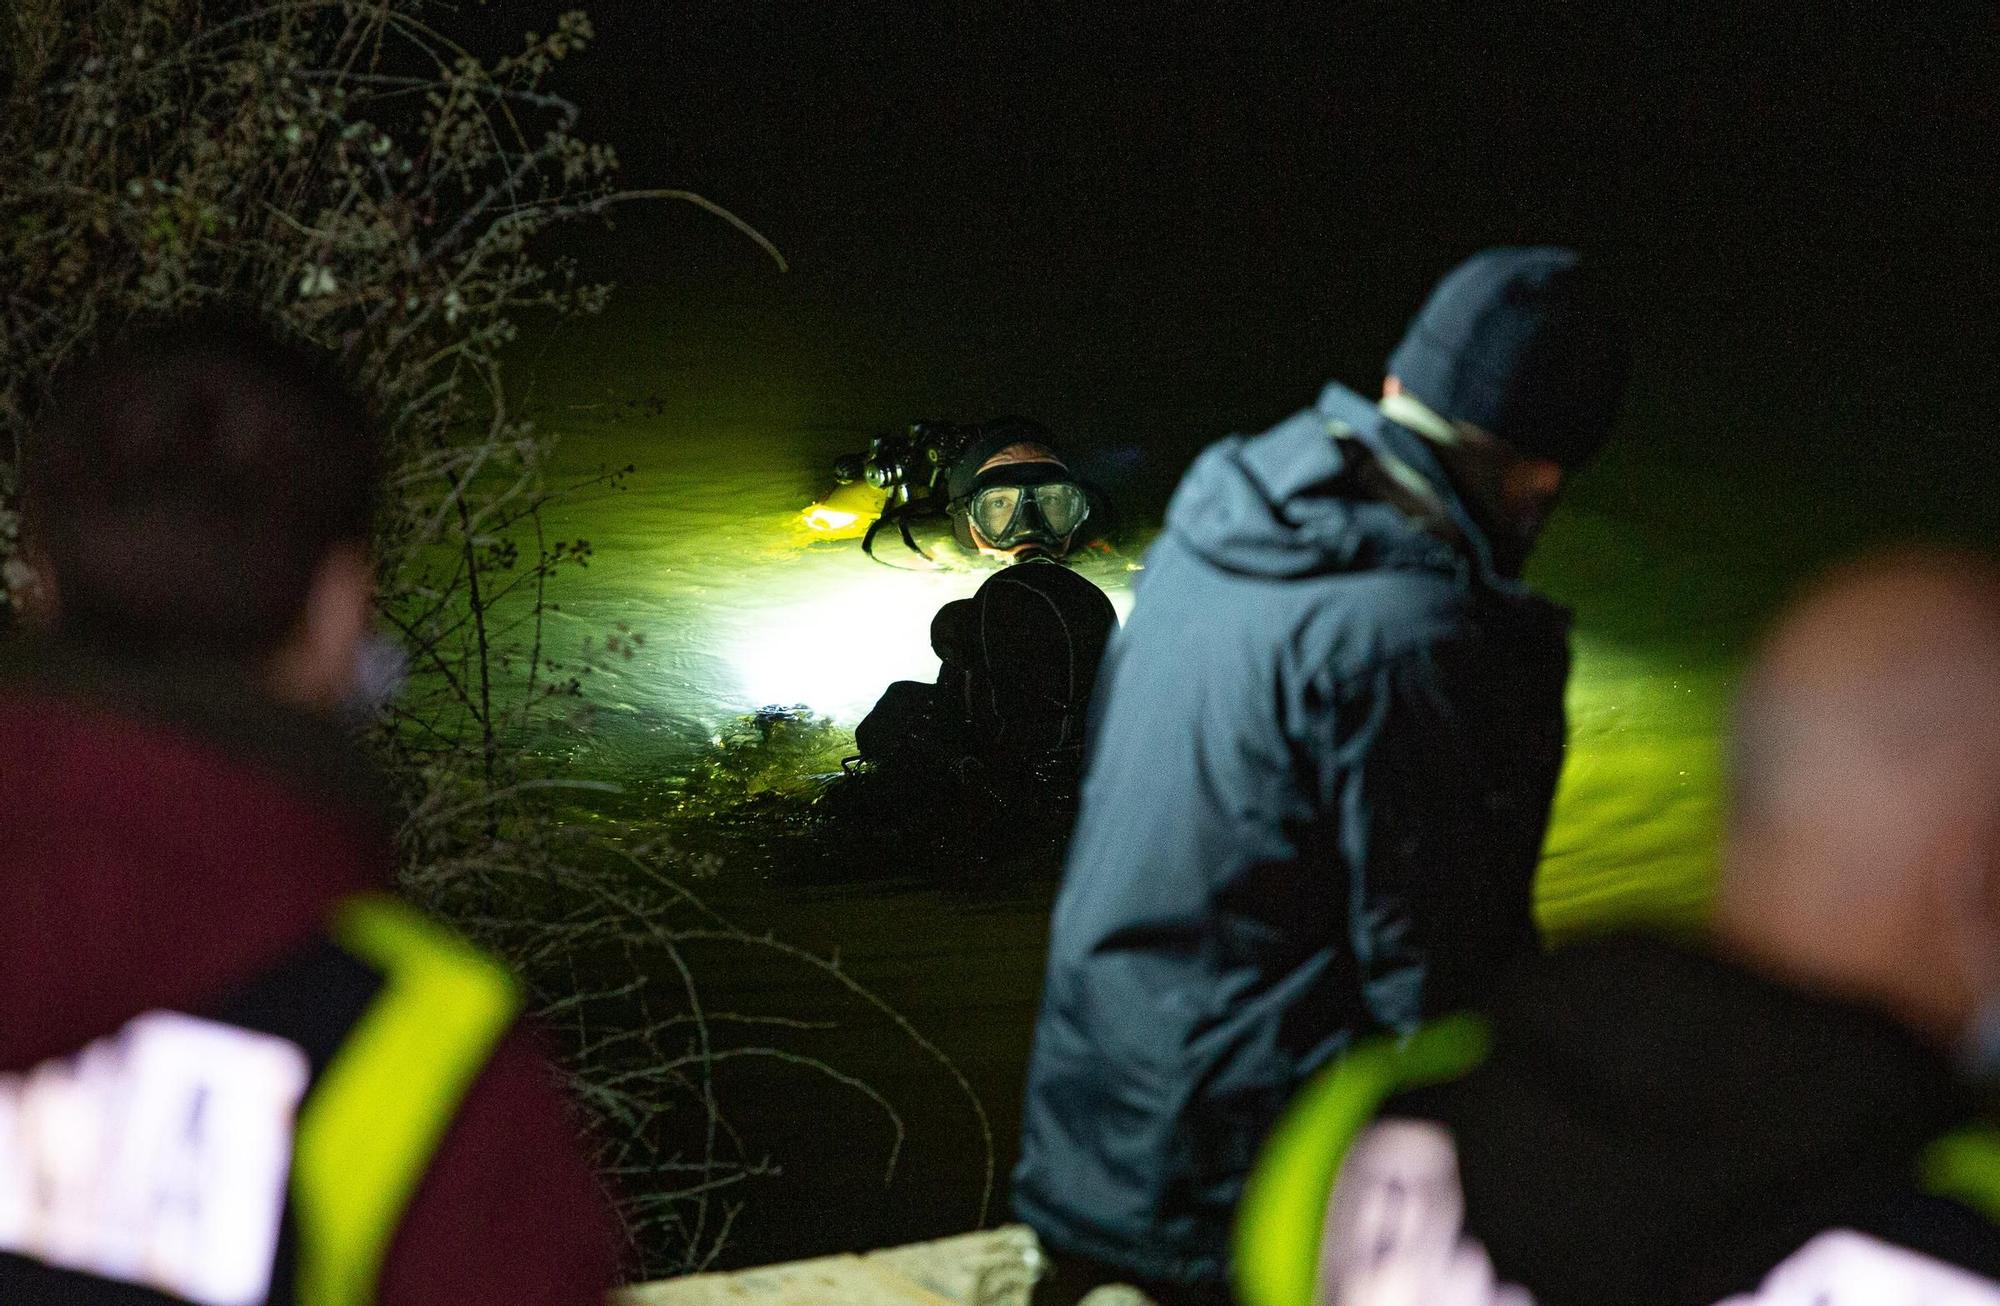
x: 1023, y: 453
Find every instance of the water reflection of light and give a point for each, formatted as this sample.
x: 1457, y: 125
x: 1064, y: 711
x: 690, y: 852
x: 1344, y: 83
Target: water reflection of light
x: 837, y: 650
x: 1637, y: 815
x: 822, y: 518
x: 845, y: 513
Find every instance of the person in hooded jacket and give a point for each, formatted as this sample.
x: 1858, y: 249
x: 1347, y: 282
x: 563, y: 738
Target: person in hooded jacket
x: 1320, y: 768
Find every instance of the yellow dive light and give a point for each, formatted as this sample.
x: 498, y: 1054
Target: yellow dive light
x: 846, y: 513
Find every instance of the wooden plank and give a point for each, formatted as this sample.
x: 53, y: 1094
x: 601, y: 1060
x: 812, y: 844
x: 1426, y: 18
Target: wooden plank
x: 828, y: 1281
x: 996, y: 1267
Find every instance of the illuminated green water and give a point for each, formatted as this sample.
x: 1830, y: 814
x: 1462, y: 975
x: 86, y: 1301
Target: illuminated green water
x: 1633, y: 831
x: 741, y: 607
x: 703, y: 554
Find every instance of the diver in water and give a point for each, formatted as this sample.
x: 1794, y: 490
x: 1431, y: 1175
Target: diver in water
x: 1004, y: 491
x: 1012, y: 497
x: 983, y: 765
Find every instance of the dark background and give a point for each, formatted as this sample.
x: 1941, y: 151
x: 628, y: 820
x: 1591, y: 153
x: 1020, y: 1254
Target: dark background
x: 1148, y: 224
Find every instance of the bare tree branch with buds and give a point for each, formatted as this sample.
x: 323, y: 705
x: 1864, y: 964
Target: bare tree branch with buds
x: 347, y: 169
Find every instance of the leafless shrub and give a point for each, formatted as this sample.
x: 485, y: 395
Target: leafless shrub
x: 345, y: 166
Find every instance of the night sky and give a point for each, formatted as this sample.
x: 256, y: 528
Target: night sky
x: 1152, y: 224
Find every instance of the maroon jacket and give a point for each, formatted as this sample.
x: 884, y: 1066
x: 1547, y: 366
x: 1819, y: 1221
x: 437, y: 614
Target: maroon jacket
x: 161, y: 840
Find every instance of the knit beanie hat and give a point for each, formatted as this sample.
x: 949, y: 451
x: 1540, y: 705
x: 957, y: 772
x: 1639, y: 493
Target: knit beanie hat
x: 1518, y: 341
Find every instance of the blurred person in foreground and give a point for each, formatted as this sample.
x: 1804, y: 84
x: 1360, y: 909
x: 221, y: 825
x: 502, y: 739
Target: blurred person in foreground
x: 232, y: 1068
x: 1787, y: 1113
x: 1321, y: 759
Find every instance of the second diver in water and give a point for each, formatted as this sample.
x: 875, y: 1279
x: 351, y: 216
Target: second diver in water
x: 983, y: 764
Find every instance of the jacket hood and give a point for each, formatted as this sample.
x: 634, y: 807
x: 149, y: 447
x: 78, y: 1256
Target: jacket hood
x: 1287, y: 503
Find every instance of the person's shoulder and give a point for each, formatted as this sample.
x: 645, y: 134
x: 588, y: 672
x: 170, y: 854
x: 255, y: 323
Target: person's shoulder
x: 1847, y: 1267
x: 509, y: 1209
x: 1368, y: 619
x: 907, y: 717
x: 1935, y: 1227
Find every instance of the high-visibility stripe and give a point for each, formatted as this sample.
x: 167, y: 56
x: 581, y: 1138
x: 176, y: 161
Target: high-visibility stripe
x: 1965, y: 1166
x: 1282, y: 1216
x: 373, y: 1120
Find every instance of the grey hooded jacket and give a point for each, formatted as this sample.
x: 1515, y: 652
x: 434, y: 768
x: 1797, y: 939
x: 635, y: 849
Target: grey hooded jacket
x: 1321, y: 759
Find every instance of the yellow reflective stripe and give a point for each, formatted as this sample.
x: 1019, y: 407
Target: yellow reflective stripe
x: 372, y: 1122
x: 1283, y: 1211
x: 1965, y: 1166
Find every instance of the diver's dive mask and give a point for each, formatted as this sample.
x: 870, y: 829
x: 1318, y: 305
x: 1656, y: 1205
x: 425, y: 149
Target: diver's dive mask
x: 1010, y: 518
x: 1012, y: 497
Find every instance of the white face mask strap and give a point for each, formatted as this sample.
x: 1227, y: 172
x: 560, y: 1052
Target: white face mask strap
x: 381, y: 668
x: 1979, y: 1045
